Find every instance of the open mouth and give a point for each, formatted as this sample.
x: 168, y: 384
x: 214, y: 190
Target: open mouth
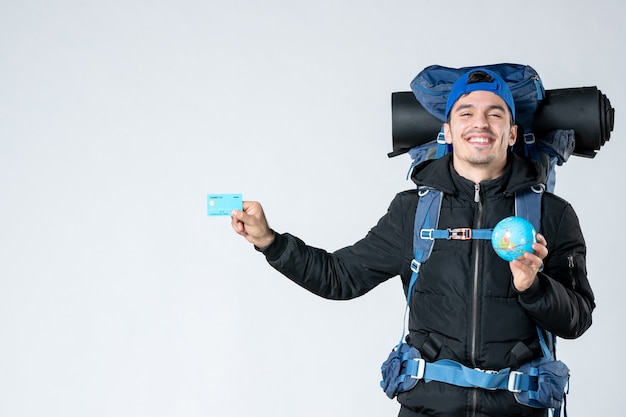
x: 479, y: 140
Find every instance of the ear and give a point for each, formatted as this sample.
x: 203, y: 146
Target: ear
x: 446, y: 133
x: 513, y: 135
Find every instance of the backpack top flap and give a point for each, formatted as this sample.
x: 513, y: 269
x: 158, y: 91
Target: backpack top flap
x: 433, y: 84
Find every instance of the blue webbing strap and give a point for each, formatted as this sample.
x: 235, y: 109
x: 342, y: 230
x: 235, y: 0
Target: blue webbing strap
x: 459, y: 233
x: 443, y: 148
x: 454, y: 373
x: 528, y: 205
x: 426, y: 215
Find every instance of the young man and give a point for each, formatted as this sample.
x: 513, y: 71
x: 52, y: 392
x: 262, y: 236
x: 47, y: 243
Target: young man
x: 468, y: 305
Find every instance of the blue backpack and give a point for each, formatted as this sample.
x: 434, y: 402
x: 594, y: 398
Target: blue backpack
x: 542, y: 382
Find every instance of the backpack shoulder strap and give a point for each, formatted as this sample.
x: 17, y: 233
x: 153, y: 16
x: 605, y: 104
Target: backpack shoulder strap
x: 528, y: 205
x: 426, y: 216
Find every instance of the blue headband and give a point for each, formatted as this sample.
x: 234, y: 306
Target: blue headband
x: 498, y: 86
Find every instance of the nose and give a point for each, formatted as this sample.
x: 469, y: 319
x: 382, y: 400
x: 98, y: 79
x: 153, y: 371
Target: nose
x: 480, y: 120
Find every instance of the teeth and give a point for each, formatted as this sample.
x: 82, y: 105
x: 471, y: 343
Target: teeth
x: 479, y: 140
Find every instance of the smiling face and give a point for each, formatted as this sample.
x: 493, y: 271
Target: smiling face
x: 480, y: 130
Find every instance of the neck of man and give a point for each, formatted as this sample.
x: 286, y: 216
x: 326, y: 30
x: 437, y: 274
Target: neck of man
x: 479, y: 172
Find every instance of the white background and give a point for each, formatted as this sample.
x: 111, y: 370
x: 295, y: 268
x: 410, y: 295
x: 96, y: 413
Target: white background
x: 120, y: 297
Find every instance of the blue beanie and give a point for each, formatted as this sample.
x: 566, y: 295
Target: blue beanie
x: 498, y: 86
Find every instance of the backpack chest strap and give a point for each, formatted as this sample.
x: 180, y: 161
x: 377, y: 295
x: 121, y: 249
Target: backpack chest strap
x: 458, y: 233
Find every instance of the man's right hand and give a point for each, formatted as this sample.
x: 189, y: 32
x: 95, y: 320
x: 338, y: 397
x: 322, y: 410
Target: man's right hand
x: 251, y: 224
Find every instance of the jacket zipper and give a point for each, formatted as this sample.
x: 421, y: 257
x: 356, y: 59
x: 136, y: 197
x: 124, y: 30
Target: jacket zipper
x: 571, y: 264
x: 475, y: 282
x: 475, y: 293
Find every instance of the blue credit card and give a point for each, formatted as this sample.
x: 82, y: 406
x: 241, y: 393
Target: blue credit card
x: 223, y: 204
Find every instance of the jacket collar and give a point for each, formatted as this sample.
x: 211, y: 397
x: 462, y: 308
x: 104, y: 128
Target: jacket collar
x: 520, y: 174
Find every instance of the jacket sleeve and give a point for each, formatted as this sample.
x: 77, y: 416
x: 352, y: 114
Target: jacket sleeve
x: 349, y: 272
x: 561, y: 300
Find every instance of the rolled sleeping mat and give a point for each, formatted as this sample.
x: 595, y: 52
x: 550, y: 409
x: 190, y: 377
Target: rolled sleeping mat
x: 584, y: 109
x: 411, y: 124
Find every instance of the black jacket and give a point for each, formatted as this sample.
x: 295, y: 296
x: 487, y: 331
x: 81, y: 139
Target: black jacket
x: 465, y: 307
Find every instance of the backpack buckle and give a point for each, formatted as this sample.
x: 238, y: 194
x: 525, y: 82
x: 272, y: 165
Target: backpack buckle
x: 415, y: 266
x: 514, y: 382
x: 460, y: 233
x: 419, y: 368
x: 427, y: 234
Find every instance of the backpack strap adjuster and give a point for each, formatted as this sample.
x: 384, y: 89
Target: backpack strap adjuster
x: 417, y: 368
x: 427, y: 234
x: 514, y: 384
x: 415, y: 266
x: 460, y: 233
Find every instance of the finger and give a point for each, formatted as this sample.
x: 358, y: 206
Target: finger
x: 247, y: 205
x: 541, y: 239
x: 252, y: 208
x: 241, y: 216
x: 531, y: 261
x: 540, y: 250
x: 237, y: 224
x: 530, y: 258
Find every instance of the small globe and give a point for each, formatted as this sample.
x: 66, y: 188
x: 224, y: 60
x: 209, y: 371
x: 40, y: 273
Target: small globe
x: 512, y: 237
